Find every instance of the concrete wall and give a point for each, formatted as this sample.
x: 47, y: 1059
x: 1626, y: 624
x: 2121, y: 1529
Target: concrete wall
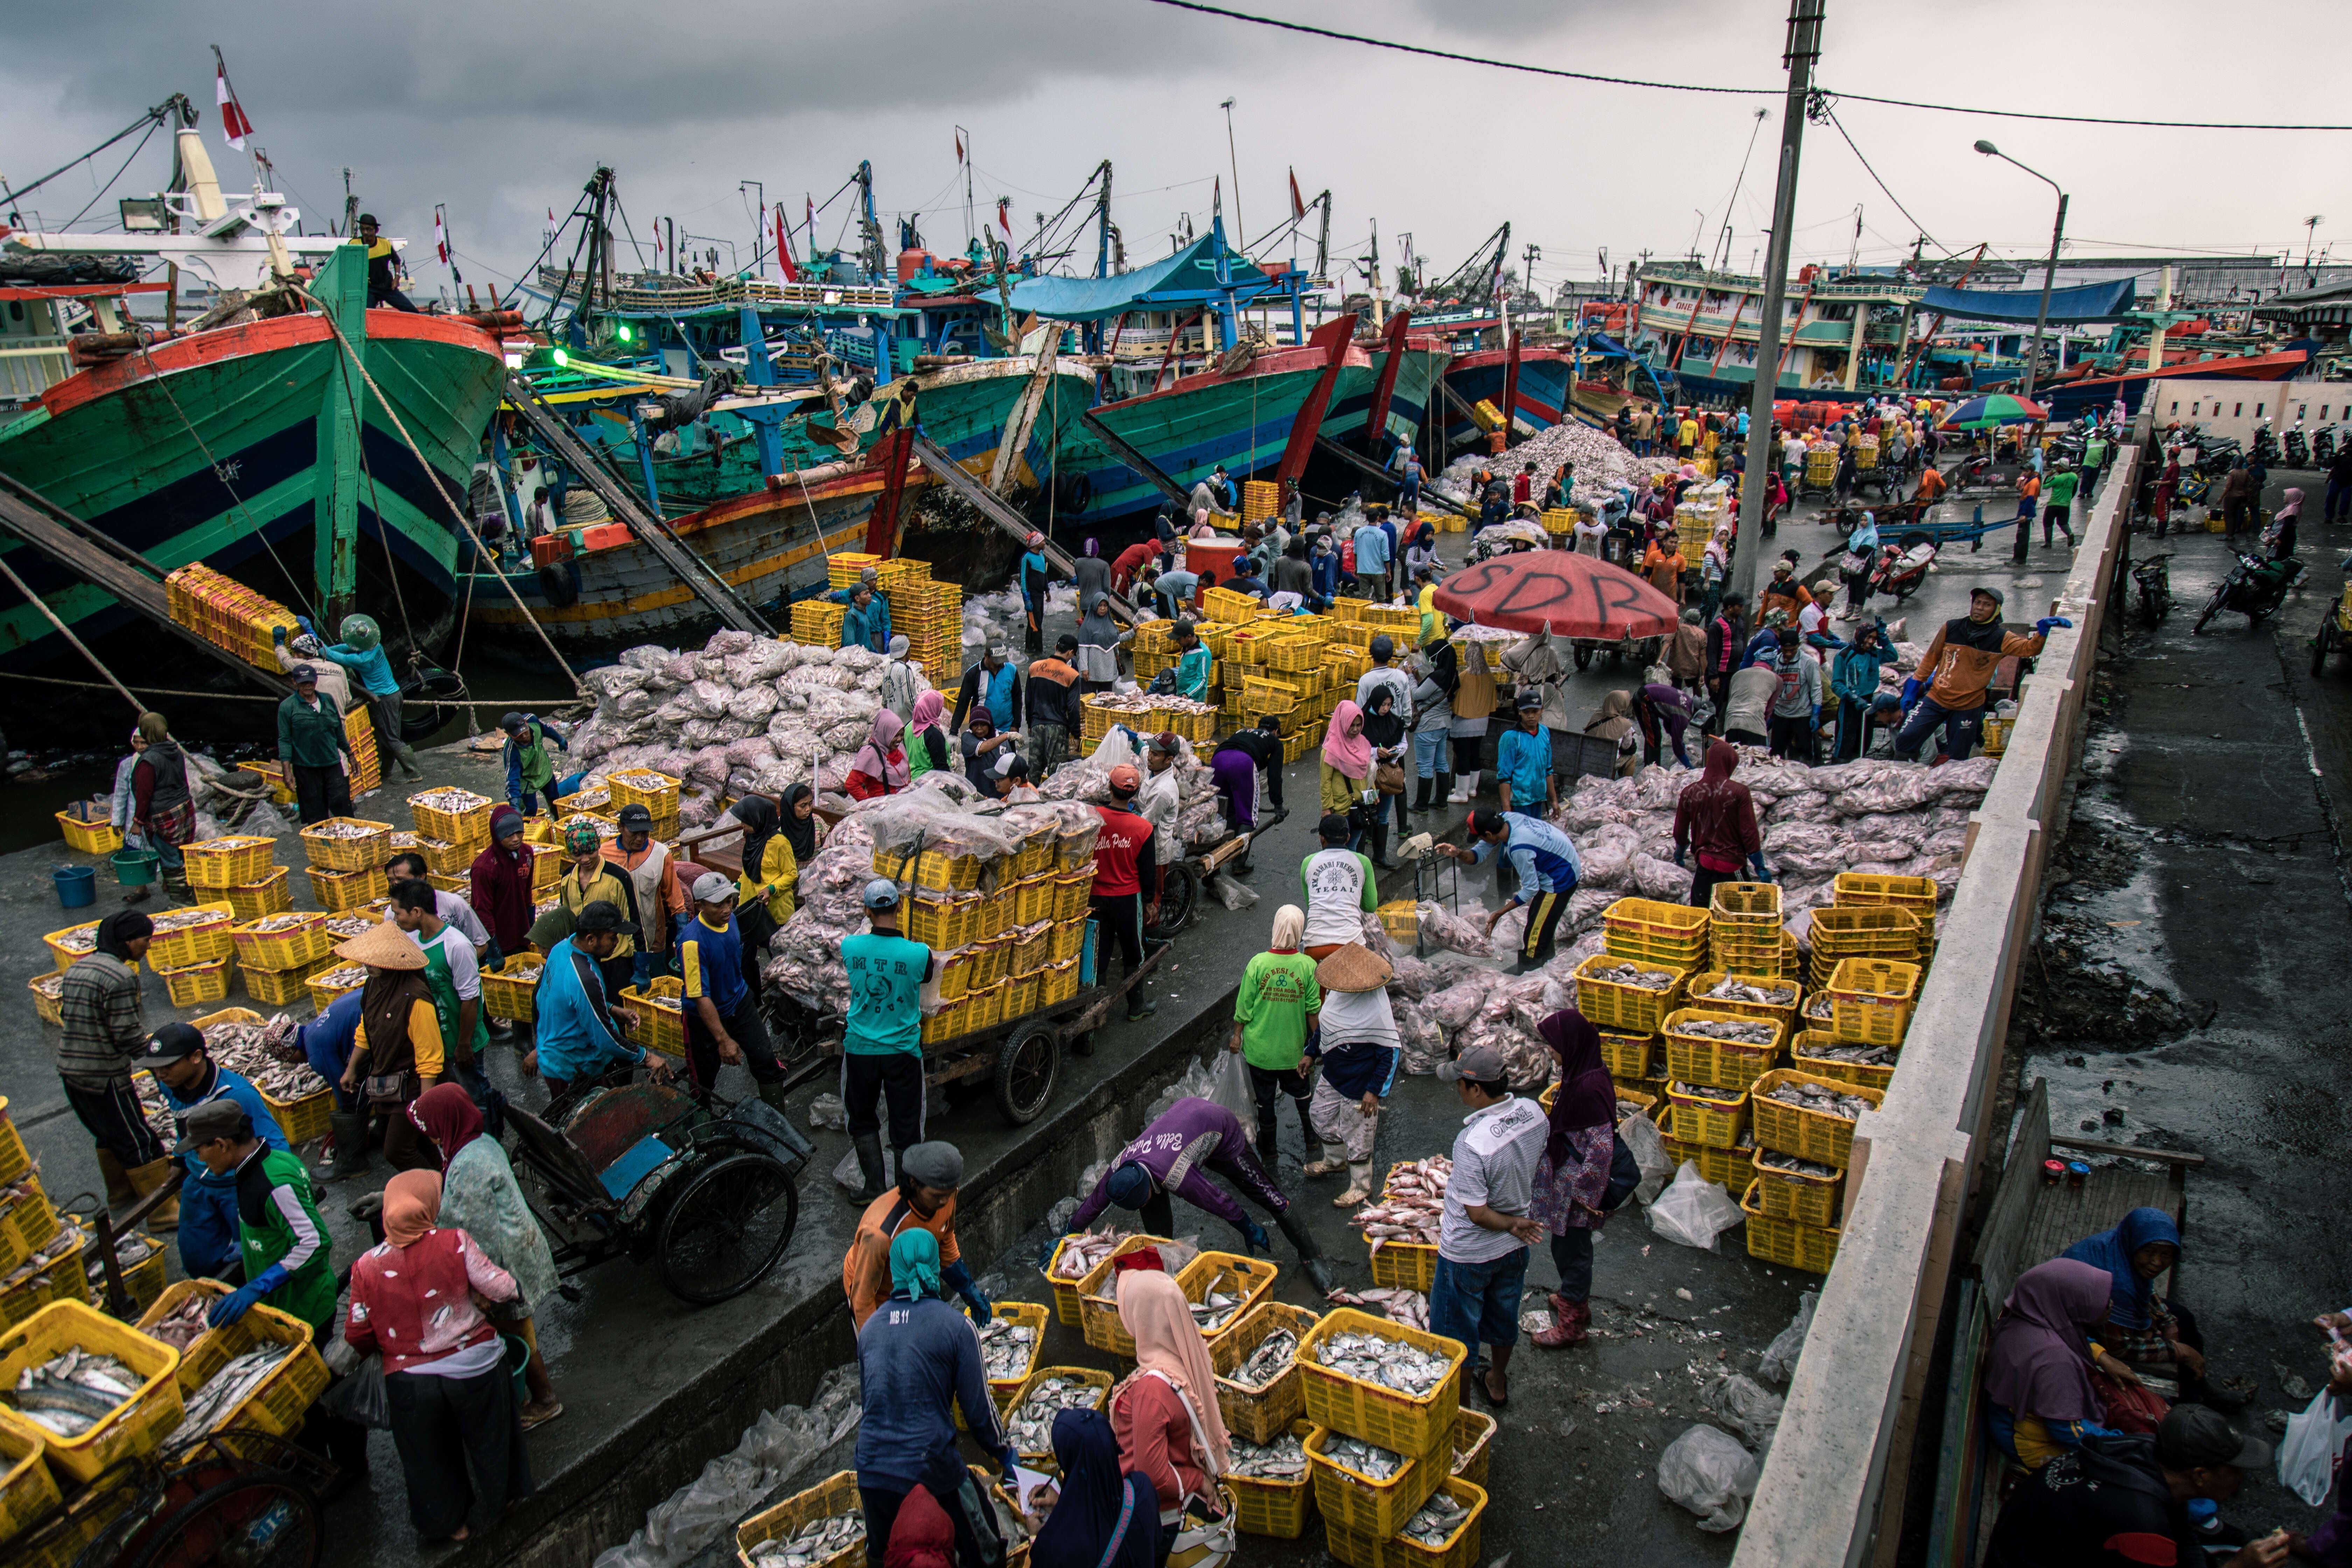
x: 1851, y: 1421
x: 2224, y: 405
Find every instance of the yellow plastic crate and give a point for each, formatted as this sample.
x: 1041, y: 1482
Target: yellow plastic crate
x: 129, y: 1429
x: 1058, y: 983
x: 1815, y: 1135
x: 283, y: 988
x: 272, y: 895
x: 1801, y: 1054
x: 1074, y: 893
x: 1274, y: 1509
x: 1017, y: 998
x: 1784, y: 1015
x: 1249, y: 1277
x: 1401, y: 1422
x: 71, y: 944
x: 1796, y: 1196
x: 1627, y: 1009
x: 1715, y: 1122
x: 197, y: 983
x: 1871, y: 999
x: 1258, y: 1415
x: 25, y: 1226
x: 1766, y: 955
x: 46, y: 989
x: 27, y: 1491
x: 657, y: 791
x: 366, y: 850
x: 1652, y: 932
x: 337, y: 892
x: 1724, y: 1064
x: 1785, y: 1242
x: 1067, y: 1294
x: 1863, y: 888
x: 1401, y: 917
x: 89, y: 838
x: 1473, y: 1443
x: 231, y: 862
x: 661, y: 1006
x: 1350, y: 1500
x: 511, y: 992
x: 1460, y: 1549
x: 332, y: 982
x: 836, y: 1494
x: 1100, y: 1381
x: 289, y: 947
x: 1097, y: 1299
x: 197, y: 942
x: 1630, y: 1056
x: 465, y: 819
x: 1862, y: 930
x: 1745, y: 909
x: 14, y: 1161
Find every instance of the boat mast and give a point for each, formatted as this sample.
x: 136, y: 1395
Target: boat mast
x: 1104, y: 233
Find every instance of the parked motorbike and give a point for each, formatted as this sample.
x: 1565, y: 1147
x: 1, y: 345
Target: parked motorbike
x: 2254, y: 588
x: 2216, y: 454
x: 2323, y: 446
x: 2153, y: 577
x: 2298, y: 450
x: 2266, y: 446
x: 1901, y: 568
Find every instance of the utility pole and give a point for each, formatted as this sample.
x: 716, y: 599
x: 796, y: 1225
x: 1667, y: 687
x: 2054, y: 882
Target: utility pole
x: 1805, y: 45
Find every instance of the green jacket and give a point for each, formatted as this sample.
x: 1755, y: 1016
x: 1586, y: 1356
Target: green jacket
x: 277, y: 1223
x: 311, y: 737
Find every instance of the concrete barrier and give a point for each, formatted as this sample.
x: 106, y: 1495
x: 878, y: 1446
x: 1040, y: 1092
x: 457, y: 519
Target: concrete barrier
x: 1832, y: 1492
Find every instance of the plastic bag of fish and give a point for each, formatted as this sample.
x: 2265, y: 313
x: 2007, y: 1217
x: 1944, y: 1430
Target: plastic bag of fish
x: 1272, y: 1358
x: 1030, y: 1427
x: 1817, y: 1097
x: 1283, y: 1459
x: 1392, y: 1363
x: 1007, y: 1348
x: 816, y: 1541
x: 72, y: 1393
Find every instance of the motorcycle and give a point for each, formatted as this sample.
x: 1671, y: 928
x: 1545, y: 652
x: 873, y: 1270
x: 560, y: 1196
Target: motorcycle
x: 2153, y: 577
x: 2216, y: 454
x: 2323, y: 446
x: 2254, y: 588
x: 2298, y: 451
x: 1901, y: 568
x: 2266, y: 446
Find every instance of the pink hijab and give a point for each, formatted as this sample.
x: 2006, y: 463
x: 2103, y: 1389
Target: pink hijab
x: 881, y: 745
x: 927, y: 708
x: 1351, y: 754
x: 1153, y: 1309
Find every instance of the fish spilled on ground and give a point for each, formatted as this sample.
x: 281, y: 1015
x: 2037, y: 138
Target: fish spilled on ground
x: 1007, y: 1347
x: 1216, y: 1311
x: 1634, y: 975
x: 1773, y: 1160
x: 181, y: 1327
x: 813, y: 1543
x: 1746, y: 1033
x: 70, y: 1394
x: 1437, y: 1520
x: 1367, y: 1460
x: 1732, y: 989
x: 1817, y: 1097
x: 1269, y: 1361
x: 1392, y: 1363
x: 1283, y: 1459
x: 1029, y: 1428
x: 223, y: 1392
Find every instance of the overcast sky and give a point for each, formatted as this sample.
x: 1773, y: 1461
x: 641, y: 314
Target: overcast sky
x: 501, y: 109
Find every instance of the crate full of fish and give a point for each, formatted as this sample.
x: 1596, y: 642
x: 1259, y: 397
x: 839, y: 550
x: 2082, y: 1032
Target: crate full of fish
x: 231, y: 862
x: 1627, y: 995
x: 1075, y: 1258
x: 511, y: 992
x: 1823, y: 1054
x: 1259, y: 1392
x: 1047, y: 1392
x: 818, y: 1528
x: 94, y: 1390
x: 1098, y: 1289
x: 1381, y: 1381
x: 1270, y: 1483
x: 1804, y: 1192
x: 347, y: 844
x: 1444, y: 1532
x: 1811, y: 1118
x: 139, y: 1258
x: 28, y: 1220
x: 260, y: 1373
x: 1726, y: 1049
x: 1367, y: 1487
x: 1010, y: 1344
x: 50, y: 1273
x: 453, y: 815
x: 194, y: 935
x: 1772, y: 996
x: 1401, y: 1225
x: 1793, y: 1246
x: 1707, y: 1113
x: 1727, y: 1168
x: 1222, y: 1287
x: 1871, y: 1000
x: 278, y: 942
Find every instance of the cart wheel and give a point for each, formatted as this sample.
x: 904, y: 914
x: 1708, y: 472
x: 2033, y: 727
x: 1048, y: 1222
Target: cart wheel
x: 265, y: 1519
x: 1583, y: 657
x: 2322, y: 642
x: 1027, y: 1067
x: 726, y: 1227
x: 1179, y: 898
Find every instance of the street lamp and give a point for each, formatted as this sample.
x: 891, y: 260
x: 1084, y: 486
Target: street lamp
x: 2049, y: 270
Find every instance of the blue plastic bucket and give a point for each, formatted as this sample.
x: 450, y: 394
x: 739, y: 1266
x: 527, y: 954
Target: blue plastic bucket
x: 77, y: 886
x: 134, y: 867
x: 518, y: 1360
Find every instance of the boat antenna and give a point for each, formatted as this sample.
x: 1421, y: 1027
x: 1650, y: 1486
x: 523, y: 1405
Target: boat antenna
x: 1730, y: 201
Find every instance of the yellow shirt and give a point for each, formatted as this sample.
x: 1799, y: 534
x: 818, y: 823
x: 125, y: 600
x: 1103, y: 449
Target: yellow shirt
x: 1428, y: 625
x: 780, y: 871
x: 424, y: 1038
x: 611, y: 887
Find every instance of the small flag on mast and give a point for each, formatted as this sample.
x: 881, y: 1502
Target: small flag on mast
x: 440, y: 237
x: 1005, y: 217
x: 959, y: 142
x: 784, y: 248
x: 1297, y: 206
x: 234, y: 126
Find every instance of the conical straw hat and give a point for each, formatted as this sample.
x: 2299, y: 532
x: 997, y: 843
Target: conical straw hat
x: 1354, y: 967
x: 383, y: 946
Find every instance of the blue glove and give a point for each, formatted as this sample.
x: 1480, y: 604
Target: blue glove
x: 1680, y: 854
x: 239, y: 1301
x: 1763, y: 872
x: 2042, y: 627
x: 1053, y: 1245
x: 277, y: 634
x: 304, y: 622
x: 1256, y: 1235
x: 958, y: 1278
x: 1910, y: 691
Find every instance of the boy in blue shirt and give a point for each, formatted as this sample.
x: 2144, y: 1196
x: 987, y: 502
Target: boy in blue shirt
x: 189, y: 1076
x: 722, y: 1015
x: 1523, y: 761
x: 882, y: 1045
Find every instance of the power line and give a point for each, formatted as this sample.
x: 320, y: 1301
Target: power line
x: 1521, y: 65
x: 1821, y: 110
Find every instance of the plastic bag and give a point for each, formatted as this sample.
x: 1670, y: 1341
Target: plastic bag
x: 1232, y: 894
x: 1745, y: 1406
x: 1232, y: 1087
x: 360, y: 1398
x: 1708, y: 1472
x: 2306, y: 1454
x: 1649, y: 1151
x: 1779, y: 1357
x: 1694, y: 1211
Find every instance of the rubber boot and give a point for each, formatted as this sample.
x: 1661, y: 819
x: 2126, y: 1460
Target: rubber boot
x: 119, y: 1190
x: 1420, y: 795
x: 1466, y: 788
x: 772, y: 1096
x: 1573, y: 1318
x: 1359, y: 1187
x: 1293, y: 1226
x: 869, y: 1166
x: 1269, y: 1146
x: 405, y: 755
x: 1380, y: 848
x: 350, y: 1133
x: 145, y: 1179
x: 1445, y: 795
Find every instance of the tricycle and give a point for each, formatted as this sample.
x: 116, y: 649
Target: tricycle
x: 2334, y: 630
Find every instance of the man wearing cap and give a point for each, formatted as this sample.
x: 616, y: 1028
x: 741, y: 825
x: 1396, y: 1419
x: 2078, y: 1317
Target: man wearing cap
x: 1548, y: 867
x: 1486, y: 1230
x: 531, y: 771
x: 1157, y: 801
x: 1960, y: 663
x: 882, y: 1042
x: 257, y: 1185
x: 722, y: 1018
x: 1054, y: 711
x: 593, y: 880
x: 866, y: 623
x: 580, y: 1037
x: 408, y: 865
x: 993, y: 685
x: 312, y: 747
x: 924, y: 1199
x: 1173, y: 1157
x: 189, y: 1077
x: 662, y: 904
x: 1126, y: 885
x: 2122, y: 1498
x: 902, y: 682
x: 1523, y: 769
x: 1358, y: 1044
x: 501, y: 881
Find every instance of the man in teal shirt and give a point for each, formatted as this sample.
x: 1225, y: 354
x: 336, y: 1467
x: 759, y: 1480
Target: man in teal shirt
x: 1194, y: 664
x: 362, y: 653
x: 1523, y: 761
x: 882, y: 1045
x: 313, y: 745
x: 2057, y: 500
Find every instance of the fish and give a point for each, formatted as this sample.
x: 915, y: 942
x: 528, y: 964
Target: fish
x: 1007, y: 1348
x: 209, y: 1406
x: 1283, y: 1459
x: 1392, y: 1363
x: 1216, y: 1311
x: 1820, y: 1007
x: 1367, y: 1460
x: 181, y: 1326
x: 449, y: 800
x: 348, y: 977
x: 1701, y: 1091
x: 1773, y: 1160
x: 1869, y: 1055
x: 1435, y: 1522
x: 1754, y: 1034
x: 1814, y: 1097
x: 1083, y: 1252
x: 1634, y: 975
x: 818, y: 1540
x: 1728, y: 989
x: 1272, y: 1358
x: 341, y: 827
x: 1029, y: 1428
x: 70, y: 1394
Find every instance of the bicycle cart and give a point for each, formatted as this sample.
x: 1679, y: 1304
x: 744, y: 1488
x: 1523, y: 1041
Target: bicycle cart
x: 1179, y: 890
x: 703, y: 1188
x: 241, y: 1496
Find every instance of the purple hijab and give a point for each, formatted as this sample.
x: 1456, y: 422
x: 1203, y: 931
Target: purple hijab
x: 2038, y: 1365
x: 1586, y: 1097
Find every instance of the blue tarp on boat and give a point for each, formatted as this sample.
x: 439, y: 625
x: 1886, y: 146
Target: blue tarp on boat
x: 1179, y: 281
x: 2089, y: 302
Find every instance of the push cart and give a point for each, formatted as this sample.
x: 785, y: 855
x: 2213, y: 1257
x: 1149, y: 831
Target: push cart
x: 703, y: 1189
x: 241, y: 1496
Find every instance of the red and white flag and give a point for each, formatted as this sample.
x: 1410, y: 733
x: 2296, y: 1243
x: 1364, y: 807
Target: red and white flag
x: 440, y: 237
x: 1005, y: 217
x: 784, y: 248
x: 959, y: 142
x: 1297, y: 206
x: 234, y: 124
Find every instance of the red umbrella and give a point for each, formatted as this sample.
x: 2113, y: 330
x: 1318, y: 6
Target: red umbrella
x: 1575, y: 595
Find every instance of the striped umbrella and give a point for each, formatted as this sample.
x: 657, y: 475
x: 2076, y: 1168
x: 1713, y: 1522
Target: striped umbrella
x: 1984, y: 412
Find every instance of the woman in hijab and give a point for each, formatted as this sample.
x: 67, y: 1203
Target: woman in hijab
x: 928, y: 748
x: 1861, y: 555
x: 1384, y: 728
x: 1347, y: 760
x: 1091, y: 573
x: 2039, y: 1395
x: 478, y: 1196
x: 2141, y: 1327
x: 982, y: 747
x: 879, y: 767
x: 163, y: 805
x: 1101, y: 1517
x: 2282, y: 525
x: 1098, y: 640
x: 916, y: 1357
x: 397, y: 1049
x: 1613, y: 721
x: 1572, y: 1187
x: 921, y: 1537
x: 445, y: 1380
x: 768, y: 887
x: 1165, y: 1414
x: 800, y: 825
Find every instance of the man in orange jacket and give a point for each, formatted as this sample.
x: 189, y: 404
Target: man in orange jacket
x: 1959, y: 667
x: 925, y: 1199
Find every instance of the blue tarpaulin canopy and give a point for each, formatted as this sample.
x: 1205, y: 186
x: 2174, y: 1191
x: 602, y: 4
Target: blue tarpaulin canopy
x: 2089, y: 302
x: 1179, y: 281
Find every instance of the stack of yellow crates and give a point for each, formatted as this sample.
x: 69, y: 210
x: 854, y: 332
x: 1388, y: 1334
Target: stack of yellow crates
x: 930, y: 614
x: 227, y: 613
x: 40, y: 1252
x: 367, y: 767
x: 1261, y: 499
x: 817, y: 621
